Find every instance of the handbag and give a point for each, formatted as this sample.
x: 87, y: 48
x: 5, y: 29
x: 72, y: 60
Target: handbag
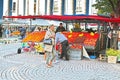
x: 48, y: 48
x: 47, y: 41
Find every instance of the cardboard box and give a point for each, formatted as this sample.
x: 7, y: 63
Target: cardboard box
x: 112, y: 59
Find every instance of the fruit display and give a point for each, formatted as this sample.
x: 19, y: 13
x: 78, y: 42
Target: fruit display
x: 76, y: 46
x: 80, y: 39
x: 92, y: 34
x: 15, y: 33
x: 77, y: 39
x: 36, y: 36
x: 89, y: 40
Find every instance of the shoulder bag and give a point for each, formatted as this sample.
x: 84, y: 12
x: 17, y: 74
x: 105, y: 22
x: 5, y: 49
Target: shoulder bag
x: 47, y: 41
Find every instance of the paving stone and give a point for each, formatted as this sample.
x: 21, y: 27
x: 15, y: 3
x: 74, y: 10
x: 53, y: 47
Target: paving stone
x: 29, y: 66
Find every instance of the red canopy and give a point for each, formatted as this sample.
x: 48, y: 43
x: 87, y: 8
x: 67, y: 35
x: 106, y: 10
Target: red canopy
x: 56, y: 17
x: 67, y: 17
x: 117, y: 20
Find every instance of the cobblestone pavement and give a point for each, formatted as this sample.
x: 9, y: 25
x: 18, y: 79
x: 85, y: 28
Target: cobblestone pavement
x: 7, y: 49
x: 29, y: 66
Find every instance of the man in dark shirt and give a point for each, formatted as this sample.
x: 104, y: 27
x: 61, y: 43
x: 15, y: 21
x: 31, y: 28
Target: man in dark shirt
x: 60, y: 28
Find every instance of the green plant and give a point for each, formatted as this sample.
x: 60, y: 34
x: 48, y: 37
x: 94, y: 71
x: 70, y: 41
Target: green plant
x: 112, y: 52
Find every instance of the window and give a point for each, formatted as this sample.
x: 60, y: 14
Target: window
x: 78, y: 6
x: 14, y: 6
x: 55, y: 6
x: 66, y: 6
x: 34, y: 7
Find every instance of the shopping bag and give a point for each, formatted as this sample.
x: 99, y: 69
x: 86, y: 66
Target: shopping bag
x: 47, y: 41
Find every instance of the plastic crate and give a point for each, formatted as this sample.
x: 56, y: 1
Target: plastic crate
x: 92, y: 57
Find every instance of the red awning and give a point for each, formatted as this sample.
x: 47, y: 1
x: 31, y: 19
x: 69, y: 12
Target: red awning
x: 115, y: 20
x: 62, y: 18
x: 65, y: 18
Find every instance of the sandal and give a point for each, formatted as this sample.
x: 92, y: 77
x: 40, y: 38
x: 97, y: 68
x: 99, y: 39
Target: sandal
x: 49, y: 66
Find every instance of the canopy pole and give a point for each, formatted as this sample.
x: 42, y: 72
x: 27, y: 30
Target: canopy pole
x: 66, y: 26
x: 30, y: 25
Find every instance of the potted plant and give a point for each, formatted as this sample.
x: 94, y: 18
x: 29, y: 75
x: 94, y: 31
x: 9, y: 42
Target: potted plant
x: 112, y: 55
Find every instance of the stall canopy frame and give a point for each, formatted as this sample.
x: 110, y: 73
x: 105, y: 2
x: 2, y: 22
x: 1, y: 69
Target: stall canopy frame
x: 70, y: 18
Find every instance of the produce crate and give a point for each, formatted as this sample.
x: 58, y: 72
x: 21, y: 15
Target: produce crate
x: 75, y: 54
x: 112, y: 59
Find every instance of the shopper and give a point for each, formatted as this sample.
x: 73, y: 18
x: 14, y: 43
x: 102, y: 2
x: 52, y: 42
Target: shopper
x: 22, y: 32
x: 1, y: 29
x: 49, y: 48
x: 60, y: 28
x: 60, y: 37
x: 7, y: 32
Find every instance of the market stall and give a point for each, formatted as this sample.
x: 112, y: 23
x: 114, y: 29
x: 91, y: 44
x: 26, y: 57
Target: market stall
x: 77, y: 39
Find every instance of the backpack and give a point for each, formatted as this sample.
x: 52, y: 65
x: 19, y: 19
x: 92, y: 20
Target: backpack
x: 19, y: 50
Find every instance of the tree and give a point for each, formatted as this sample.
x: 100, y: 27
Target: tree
x: 108, y: 7
x: 111, y: 7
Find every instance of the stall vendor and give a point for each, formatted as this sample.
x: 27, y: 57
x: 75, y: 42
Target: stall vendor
x: 60, y: 28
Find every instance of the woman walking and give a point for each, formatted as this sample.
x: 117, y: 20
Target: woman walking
x: 50, y: 34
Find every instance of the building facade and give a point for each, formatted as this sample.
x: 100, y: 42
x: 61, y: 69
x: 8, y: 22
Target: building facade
x: 47, y: 7
x: 1, y: 8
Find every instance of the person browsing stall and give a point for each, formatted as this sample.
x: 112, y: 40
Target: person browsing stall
x: 61, y: 38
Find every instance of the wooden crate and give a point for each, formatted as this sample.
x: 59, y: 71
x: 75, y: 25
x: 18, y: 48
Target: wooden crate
x: 112, y: 59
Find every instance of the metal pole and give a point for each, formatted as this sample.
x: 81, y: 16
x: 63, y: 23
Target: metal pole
x: 30, y: 25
